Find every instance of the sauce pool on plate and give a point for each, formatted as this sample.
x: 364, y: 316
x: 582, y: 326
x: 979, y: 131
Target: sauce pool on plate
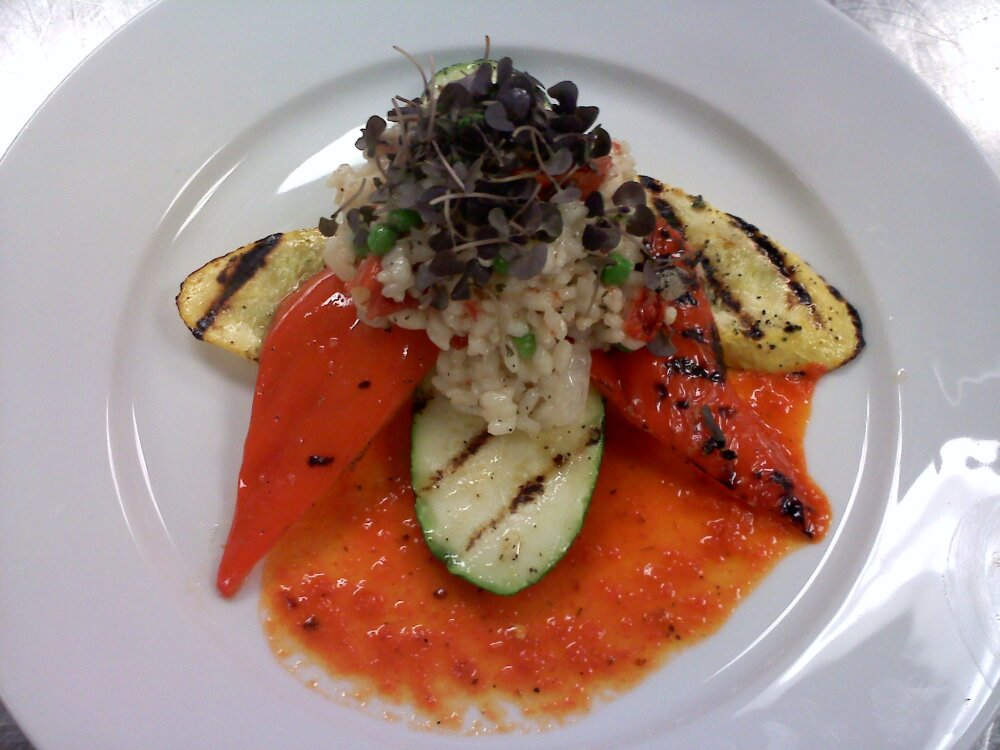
x: 664, y: 557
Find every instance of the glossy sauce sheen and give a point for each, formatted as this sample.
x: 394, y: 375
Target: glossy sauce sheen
x: 664, y: 557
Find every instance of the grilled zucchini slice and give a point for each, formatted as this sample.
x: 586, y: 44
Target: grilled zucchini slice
x: 774, y: 312
x: 231, y: 300
x: 501, y: 510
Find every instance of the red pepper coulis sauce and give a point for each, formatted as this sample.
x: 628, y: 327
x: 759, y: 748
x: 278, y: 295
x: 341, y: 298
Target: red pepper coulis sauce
x: 664, y: 556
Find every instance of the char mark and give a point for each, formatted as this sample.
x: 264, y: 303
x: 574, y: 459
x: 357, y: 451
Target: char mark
x: 777, y: 259
x: 532, y: 489
x: 665, y: 210
x: 652, y: 185
x: 695, y: 333
x: 721, y: 292
x: 763, y: 242
x: 471, y: 449
x: 800, y: 291
x: 799, y: 513
x: 233, y: 276
x: 527, y: 493
x: 688, y: 367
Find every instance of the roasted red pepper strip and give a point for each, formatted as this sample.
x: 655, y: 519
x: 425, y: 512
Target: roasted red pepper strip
x: 326, y: 385
x: 684, y: 401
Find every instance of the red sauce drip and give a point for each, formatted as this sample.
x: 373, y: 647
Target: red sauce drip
x: 664, y: 557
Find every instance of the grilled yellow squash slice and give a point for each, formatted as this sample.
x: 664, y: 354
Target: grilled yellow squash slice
x: 774, y: 312
x: 231, y: 300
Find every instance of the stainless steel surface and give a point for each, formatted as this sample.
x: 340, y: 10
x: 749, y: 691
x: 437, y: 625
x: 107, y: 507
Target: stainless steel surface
x: 953, y: 45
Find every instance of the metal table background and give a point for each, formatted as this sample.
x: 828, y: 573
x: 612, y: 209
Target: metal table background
x: 954, y: 45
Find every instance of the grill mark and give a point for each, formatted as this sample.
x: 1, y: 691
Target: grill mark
x: 720, y: 291
x: 665, y: 210
x: 526, y: 493
x: 800, y: 291
x: 530, y: 490
x: 233, y: 276
x: 763, y: 242
x: 420, y: 401
x: 722, y: 294
x: 471, y: 449
x: 652, y: 185
x: 777, y: 259
x: 855, y: 321
x: 687, y: 300
x: 695, y: 333
x: 690, y: 368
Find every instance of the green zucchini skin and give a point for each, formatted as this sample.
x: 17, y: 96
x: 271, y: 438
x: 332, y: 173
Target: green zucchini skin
x: 458, y: 71
x: 501, y: 510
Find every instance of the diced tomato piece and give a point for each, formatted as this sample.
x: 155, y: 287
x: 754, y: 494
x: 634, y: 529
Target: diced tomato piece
x: 378, y: 305
x: 644, y: 316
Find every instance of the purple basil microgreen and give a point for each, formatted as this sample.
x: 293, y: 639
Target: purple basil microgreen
x: 552, y: 223
x: 641, y: 223
x: 529, y: 264
x: 446, y: 263
x: 629, y: 195
x: 565, y: 94
x: 661, y: 345
x: 423, y: 277
x: 477, y: 272
x: 505, y: 69
x: 588, y: 116
x: 600, y: 143
x: 595, y: 204
x: 498, y: 220
x: 479, y: 82
x: 496, y: 117
x: 370, y: 135
x: 327, y: 226
x: 439, y: 296
x: 441, y: 241
x: 560, y: 162
x: 601, y: 236
x: 566, y: 195
x: 452, y: 97
x: 517, y: 102
x: 462, y: 289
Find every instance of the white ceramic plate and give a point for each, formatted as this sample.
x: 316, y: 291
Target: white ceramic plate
x: 204, y: 126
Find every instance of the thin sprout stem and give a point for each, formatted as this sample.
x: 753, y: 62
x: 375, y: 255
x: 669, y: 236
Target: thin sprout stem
x: 511, y: 178
x: 478, y: 243
x: 417, y: 65
x: 463, y: 196
x: 404, y: 144
x: 447, y: 166
x: 452, y: 229
x: 534, y: 195
x: 432, y: 103
x: 490, y: 145
x: 361, y: 188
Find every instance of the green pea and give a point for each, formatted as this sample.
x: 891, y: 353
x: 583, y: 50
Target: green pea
x: 501, y: 266
x: 617, y: 272
x: 402, y: 219
x: 381, y: 239
x: 525, y: 345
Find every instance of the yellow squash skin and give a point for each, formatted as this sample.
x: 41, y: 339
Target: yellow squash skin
x: 231, y: 300
x: 774, y: 312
